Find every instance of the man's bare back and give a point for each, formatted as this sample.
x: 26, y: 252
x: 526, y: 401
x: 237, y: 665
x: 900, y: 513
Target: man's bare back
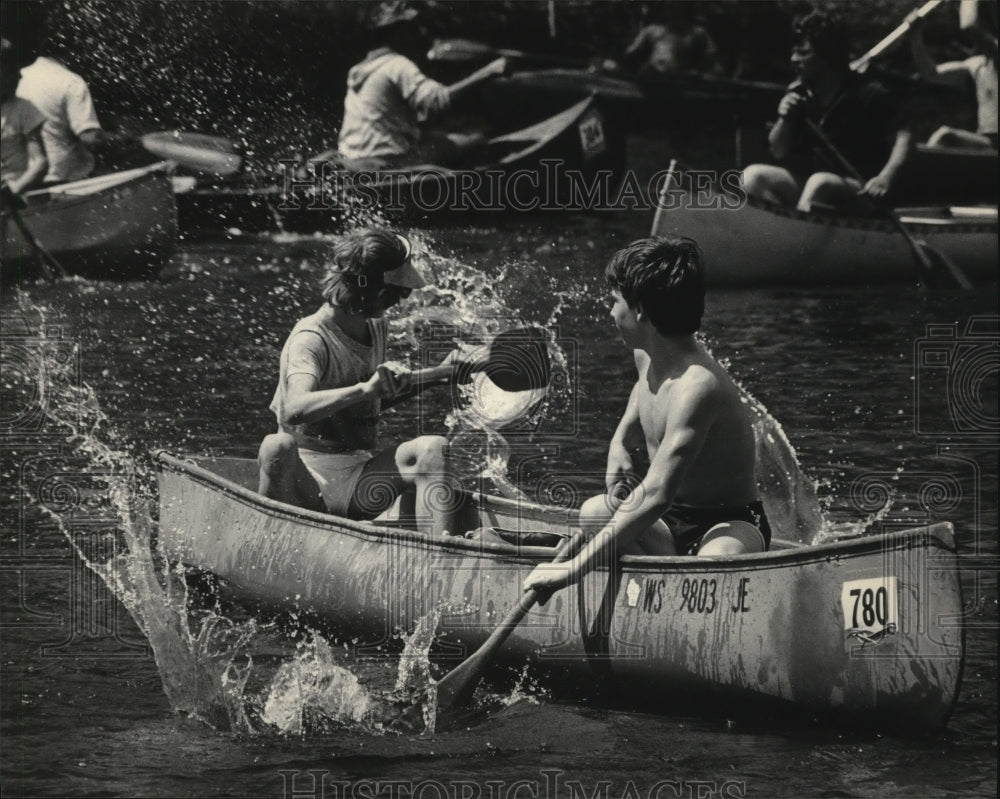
x: 722, y: 473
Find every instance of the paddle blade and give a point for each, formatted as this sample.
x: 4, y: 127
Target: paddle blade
x: 198, y: 152
x: 519, y: 360
x: 460, y: 50
x: 456, y: 687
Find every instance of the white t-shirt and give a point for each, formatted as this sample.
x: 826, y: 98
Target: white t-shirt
x: 387, y: 96
x: 64, y: 100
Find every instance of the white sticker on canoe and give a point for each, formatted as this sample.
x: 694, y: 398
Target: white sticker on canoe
x: 592, y: 136
x: 870, y: 606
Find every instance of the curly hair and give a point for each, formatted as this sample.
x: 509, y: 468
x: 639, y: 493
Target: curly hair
x: 826, y: 33
x: 666, y: 278
x: 358, y: 262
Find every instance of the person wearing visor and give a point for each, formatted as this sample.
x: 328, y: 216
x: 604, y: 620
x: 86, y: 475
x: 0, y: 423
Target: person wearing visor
x: 332, y: 381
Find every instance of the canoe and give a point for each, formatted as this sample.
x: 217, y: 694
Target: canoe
x: 748, y: 242
x: 639, y: 102
x: 119, y: 225
x: 550, y: 165
x: 867, y: 630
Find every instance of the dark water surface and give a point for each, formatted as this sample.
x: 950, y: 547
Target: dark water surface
x: 188, y: 363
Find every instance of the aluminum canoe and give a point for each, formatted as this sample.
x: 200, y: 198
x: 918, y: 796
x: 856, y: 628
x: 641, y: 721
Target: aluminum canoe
x: 869, y: 630
x: 119, y: 225
x: 751, y: 243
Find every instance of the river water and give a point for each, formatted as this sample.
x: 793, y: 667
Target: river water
x: 98, y: 374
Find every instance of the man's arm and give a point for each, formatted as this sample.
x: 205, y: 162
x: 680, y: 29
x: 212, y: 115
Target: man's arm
x: 627, y: 435
x: 786, y: 133
x: 491, y: 70
x: 971, y: 20
x: 38, y: 164
x: 306, y: 364
x: 684, y: 437
x: 880, y: 185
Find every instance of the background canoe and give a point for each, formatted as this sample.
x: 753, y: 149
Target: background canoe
x: 635, y: 102
x: 867, y: 629
x: 525, y: 168
x: 119, y: 225
x: 750, y: 243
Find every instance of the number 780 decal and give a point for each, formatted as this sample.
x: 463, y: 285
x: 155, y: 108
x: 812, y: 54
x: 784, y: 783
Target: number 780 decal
x: 870, y: 608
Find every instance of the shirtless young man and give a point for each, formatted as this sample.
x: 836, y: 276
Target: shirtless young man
x: 333, y: 379
x: 696, y: 427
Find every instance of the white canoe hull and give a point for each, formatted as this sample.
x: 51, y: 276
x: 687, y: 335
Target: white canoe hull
x: 869, y: 629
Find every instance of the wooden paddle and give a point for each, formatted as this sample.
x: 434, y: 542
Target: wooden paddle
x: 457, y: 686
x: 47, y: 263
x: 516, y: 360
x: 862, y: 63
x: 198, y: 152
x: 920, y: 249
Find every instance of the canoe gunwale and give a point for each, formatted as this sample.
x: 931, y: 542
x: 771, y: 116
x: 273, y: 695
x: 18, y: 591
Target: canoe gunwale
x: 939, y: 535
x: 58, y: 198
x: 914, y: 222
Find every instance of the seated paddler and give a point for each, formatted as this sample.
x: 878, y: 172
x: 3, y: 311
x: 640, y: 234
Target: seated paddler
x: 333, y: 378
x: 699, y: 494
x: 389, y: 100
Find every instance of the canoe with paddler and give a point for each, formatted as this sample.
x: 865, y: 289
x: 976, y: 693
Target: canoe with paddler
x: 866, y: 630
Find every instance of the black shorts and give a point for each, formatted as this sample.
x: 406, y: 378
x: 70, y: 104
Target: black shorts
x: 688, y: 524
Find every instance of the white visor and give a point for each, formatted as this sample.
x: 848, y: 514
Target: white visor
x: 405, y: 275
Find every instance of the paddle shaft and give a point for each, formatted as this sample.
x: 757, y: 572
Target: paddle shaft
x: 922, y: 261
x: 861, y: 64
x: 447, y: 49
x: 457, y: 686
x: 46, y: 260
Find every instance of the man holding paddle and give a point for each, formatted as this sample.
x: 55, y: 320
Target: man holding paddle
x: 699, y: 495
x: 854, y: 114
x: 388, y: 98
x: 332, y: 382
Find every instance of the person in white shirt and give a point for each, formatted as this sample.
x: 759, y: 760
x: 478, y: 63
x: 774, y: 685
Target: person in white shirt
x: 71, y: 126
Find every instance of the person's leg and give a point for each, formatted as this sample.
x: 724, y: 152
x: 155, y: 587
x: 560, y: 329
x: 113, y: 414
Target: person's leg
x: 421, y: 463
x: 597, y: 511
x: 283, y: 475
x: 955, y: 137
x: 828, y: 191
x: 771, y: 183
x: 731, y: 538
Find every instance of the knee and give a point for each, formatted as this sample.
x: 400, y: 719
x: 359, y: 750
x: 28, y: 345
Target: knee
x: 754, y: 179
x: 276, y: 450
x: 597, y: 510
x: 424, y: 455
x: 942, y: 137
x: 821, y: 182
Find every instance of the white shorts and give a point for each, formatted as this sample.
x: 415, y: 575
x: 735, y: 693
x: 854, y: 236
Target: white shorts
x: 336, y: 474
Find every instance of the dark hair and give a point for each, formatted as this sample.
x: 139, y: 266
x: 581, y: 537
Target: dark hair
x: 358, y: 261
x: 825, y: 32
x: 666, y: 278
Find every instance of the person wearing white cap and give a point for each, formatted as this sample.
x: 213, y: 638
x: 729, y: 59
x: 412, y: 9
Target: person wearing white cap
x: 332, y: 381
